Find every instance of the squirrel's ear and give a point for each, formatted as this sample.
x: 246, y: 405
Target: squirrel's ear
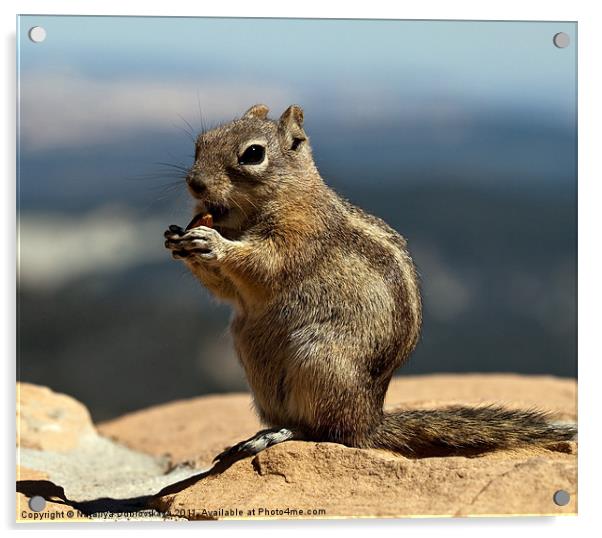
x: 290, y: 127
x: 257, y: 111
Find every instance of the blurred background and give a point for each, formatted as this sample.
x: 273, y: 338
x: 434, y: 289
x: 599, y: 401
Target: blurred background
x: 461, y: 135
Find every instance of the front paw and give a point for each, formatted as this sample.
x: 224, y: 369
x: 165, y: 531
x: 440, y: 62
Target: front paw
x: 200, y: 243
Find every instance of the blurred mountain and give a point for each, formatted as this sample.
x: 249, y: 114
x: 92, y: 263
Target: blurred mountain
x: 498, y: 149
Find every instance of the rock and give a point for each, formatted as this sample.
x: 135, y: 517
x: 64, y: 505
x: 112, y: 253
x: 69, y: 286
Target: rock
x: 193, y: 430
x: 99, y: 467
x: 51, y: 511
x: 326, y: 479
x: 47, y: 420
x: 198, y: 429
x: 331, y: 480
x: 64, y: 460
x: 352, y: 482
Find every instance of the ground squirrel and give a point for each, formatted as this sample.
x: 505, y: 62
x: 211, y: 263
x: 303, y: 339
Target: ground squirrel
x: 326, y: 300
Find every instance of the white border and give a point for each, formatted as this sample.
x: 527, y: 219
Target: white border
x: 590, y: 269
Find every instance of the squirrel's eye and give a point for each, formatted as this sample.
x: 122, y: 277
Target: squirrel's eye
x: 252, y: 155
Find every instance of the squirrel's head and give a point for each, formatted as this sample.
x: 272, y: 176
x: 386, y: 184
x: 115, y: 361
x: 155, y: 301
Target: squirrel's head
x: 242, y: 165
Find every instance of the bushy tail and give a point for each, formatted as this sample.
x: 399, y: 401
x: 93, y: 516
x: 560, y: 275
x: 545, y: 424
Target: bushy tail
x: 467, y: 429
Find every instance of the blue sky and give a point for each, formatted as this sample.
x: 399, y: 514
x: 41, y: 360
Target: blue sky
x: 348, y: 71
x: 504, y: 52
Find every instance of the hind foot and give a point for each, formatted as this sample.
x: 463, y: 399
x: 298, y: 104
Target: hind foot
x: 260, y: 441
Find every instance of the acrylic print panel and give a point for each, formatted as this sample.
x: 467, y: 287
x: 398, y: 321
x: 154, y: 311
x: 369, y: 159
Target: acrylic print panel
x: 384, y: 214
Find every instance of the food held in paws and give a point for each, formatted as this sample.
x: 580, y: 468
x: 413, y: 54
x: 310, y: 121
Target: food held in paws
x: 204, y: 219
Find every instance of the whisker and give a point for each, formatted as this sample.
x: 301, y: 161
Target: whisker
x: 201, y: 119
x: 241, y: 208
x: 157, y: 175
x: 187, y: 132
x: 250, y: 201
x: 192, y: 131
x: 174, y: 166
x: 169, y: 199
x: 171, y: 186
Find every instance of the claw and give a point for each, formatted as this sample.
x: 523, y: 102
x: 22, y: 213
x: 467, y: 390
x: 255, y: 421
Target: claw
x: 173, y: 229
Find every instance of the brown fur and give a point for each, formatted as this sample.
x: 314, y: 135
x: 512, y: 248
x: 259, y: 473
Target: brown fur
x: 326, y: 298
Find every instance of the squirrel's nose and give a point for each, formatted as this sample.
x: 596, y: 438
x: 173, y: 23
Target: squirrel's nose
x: 196, y: 185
